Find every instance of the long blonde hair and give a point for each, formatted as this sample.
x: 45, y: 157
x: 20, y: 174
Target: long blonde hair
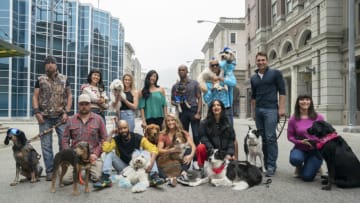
x: 179, y: 127
x: 132, y: 84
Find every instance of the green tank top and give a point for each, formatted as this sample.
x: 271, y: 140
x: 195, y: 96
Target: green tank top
x: 154, y: 105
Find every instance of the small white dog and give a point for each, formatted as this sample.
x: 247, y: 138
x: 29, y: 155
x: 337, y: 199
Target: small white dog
x: 135, y: 175
x: 208, y: 75
x: 253, y: 148
x: 116, y: 88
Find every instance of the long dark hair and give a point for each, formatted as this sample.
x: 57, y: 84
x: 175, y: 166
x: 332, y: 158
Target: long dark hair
x: 146, y: 89
x: 210, y: 117
x: 311, y: 111
x: 100, y: 84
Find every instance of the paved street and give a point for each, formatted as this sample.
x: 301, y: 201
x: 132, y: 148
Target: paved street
x: 284, y: 188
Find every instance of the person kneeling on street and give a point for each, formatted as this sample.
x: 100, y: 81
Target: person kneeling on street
x: 125, y: 143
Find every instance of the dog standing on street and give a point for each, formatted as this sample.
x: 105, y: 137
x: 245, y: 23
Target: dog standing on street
x: 253, y: 148
x: 79, y: 158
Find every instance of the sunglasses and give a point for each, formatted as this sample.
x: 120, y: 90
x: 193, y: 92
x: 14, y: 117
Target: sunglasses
x: 214, y: 65
x: 13, y: 131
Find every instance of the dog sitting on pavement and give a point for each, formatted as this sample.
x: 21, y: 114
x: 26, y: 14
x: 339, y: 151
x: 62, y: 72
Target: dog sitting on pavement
x: 79, y: 158
x: 253, y: 148
x: 26, y: 157
x: 239, y: 175
x: 343, y: 165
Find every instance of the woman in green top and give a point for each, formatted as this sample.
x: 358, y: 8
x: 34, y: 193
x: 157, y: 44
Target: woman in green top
x: 152, y: 103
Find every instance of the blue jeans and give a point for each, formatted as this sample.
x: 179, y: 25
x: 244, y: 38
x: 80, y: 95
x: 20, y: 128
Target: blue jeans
x: 46, y: 141
x: 129, y: 116
x: 113, y: 160
x: 187, y: 119
x: 266, y: 122
x: 309, y: 162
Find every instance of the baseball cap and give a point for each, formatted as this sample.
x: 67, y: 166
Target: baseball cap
x: 84, y: 98
x: 50, y: 59
x: 226, y: 49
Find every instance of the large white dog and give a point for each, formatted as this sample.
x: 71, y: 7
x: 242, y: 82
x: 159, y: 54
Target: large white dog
x: 116, y: 88
x: 135, y: 175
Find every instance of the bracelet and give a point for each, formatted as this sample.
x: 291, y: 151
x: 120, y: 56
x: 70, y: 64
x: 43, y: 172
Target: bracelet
x: 36, y: 110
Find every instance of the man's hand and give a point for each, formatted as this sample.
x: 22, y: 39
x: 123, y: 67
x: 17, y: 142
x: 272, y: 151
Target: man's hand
x: 197, y: 116
x: 281, y: 112
x: 64, y: 118
x: 229, y: 157
x: 93, y: 158
x: 39, y: 118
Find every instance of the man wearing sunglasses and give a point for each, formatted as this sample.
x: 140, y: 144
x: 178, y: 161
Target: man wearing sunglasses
x: 52, y: 102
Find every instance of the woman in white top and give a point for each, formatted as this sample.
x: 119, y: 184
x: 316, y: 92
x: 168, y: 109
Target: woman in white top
x: 96, y: 90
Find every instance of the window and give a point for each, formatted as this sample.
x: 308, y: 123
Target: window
x: 289, y: 6
x: 249, y: 43
x: 248, y: 15
x: 233, y: 38
x: 273, y: 13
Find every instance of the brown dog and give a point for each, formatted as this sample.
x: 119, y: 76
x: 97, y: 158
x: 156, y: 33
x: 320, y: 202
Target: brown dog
x: 78, y: 158
x: 152, y: 133
x: 26, y: 157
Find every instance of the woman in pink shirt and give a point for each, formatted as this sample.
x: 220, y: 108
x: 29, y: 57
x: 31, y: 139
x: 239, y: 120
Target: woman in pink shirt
x: 304, y: 156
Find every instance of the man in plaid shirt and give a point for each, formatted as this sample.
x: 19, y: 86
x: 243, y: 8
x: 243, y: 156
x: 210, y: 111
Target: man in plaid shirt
x: 89, y: 127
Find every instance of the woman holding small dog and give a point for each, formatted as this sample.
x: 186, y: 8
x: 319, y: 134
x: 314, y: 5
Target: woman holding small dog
x: 152, y: 103
x: 170, y: 141
x: 130, y: 103
x: 304, y: 156
x: 215, y: 132
x: 96, y: 90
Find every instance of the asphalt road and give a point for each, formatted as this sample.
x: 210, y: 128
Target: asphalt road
x: 284, y: 187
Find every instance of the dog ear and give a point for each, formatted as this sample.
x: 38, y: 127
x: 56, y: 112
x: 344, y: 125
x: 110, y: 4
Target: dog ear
x: 329, y: 128
x: 22, y: 138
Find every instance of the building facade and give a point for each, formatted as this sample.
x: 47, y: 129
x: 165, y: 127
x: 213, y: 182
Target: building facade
x: 79, y: 36
x: 307, y: 40
x: 230, y: 32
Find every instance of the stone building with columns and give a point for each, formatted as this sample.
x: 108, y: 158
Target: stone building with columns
x: 307, y: 41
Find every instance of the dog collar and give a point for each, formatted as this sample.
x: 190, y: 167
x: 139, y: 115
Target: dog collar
x: 219, y: 170
x: 326, y: 139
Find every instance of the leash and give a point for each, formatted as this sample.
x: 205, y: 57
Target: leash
x: 267, y: 182
x: 45, y: 131
x: 280, y: 126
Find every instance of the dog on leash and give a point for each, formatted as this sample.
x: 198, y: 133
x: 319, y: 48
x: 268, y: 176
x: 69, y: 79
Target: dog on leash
x: 343, y: 165
x: 116, y: 88
x: 253, y: 148
x: 26, y: 157
x: 239, y: 175
x: 79, y: 158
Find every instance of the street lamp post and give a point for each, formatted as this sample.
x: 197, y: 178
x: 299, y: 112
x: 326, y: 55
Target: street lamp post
x: 225, y: 30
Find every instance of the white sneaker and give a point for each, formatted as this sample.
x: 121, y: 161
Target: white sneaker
x: 195, y: 166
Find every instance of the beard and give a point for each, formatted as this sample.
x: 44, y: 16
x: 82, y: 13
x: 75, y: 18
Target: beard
x: 84, y: 111
x: 125, y: 135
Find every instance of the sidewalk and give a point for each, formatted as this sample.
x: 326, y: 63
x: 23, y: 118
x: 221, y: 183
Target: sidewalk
x: 30, y: 127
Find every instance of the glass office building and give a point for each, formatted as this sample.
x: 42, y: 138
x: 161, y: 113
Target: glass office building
x: 83, y: 37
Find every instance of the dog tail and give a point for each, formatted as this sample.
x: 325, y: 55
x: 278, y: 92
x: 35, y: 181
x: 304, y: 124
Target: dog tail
x: 242, y: 185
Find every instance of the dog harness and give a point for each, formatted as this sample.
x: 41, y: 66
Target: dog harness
x: 326, y: 139
x: 219, y: 170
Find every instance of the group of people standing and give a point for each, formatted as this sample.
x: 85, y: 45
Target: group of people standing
x: 52, y: 102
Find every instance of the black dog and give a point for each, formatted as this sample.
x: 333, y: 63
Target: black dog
x: 78, y: 158
x: 26, y: 157
x: 243, y: 171
x: 343, y: 165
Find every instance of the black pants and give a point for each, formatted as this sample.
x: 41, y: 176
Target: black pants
x: 158, y: 121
